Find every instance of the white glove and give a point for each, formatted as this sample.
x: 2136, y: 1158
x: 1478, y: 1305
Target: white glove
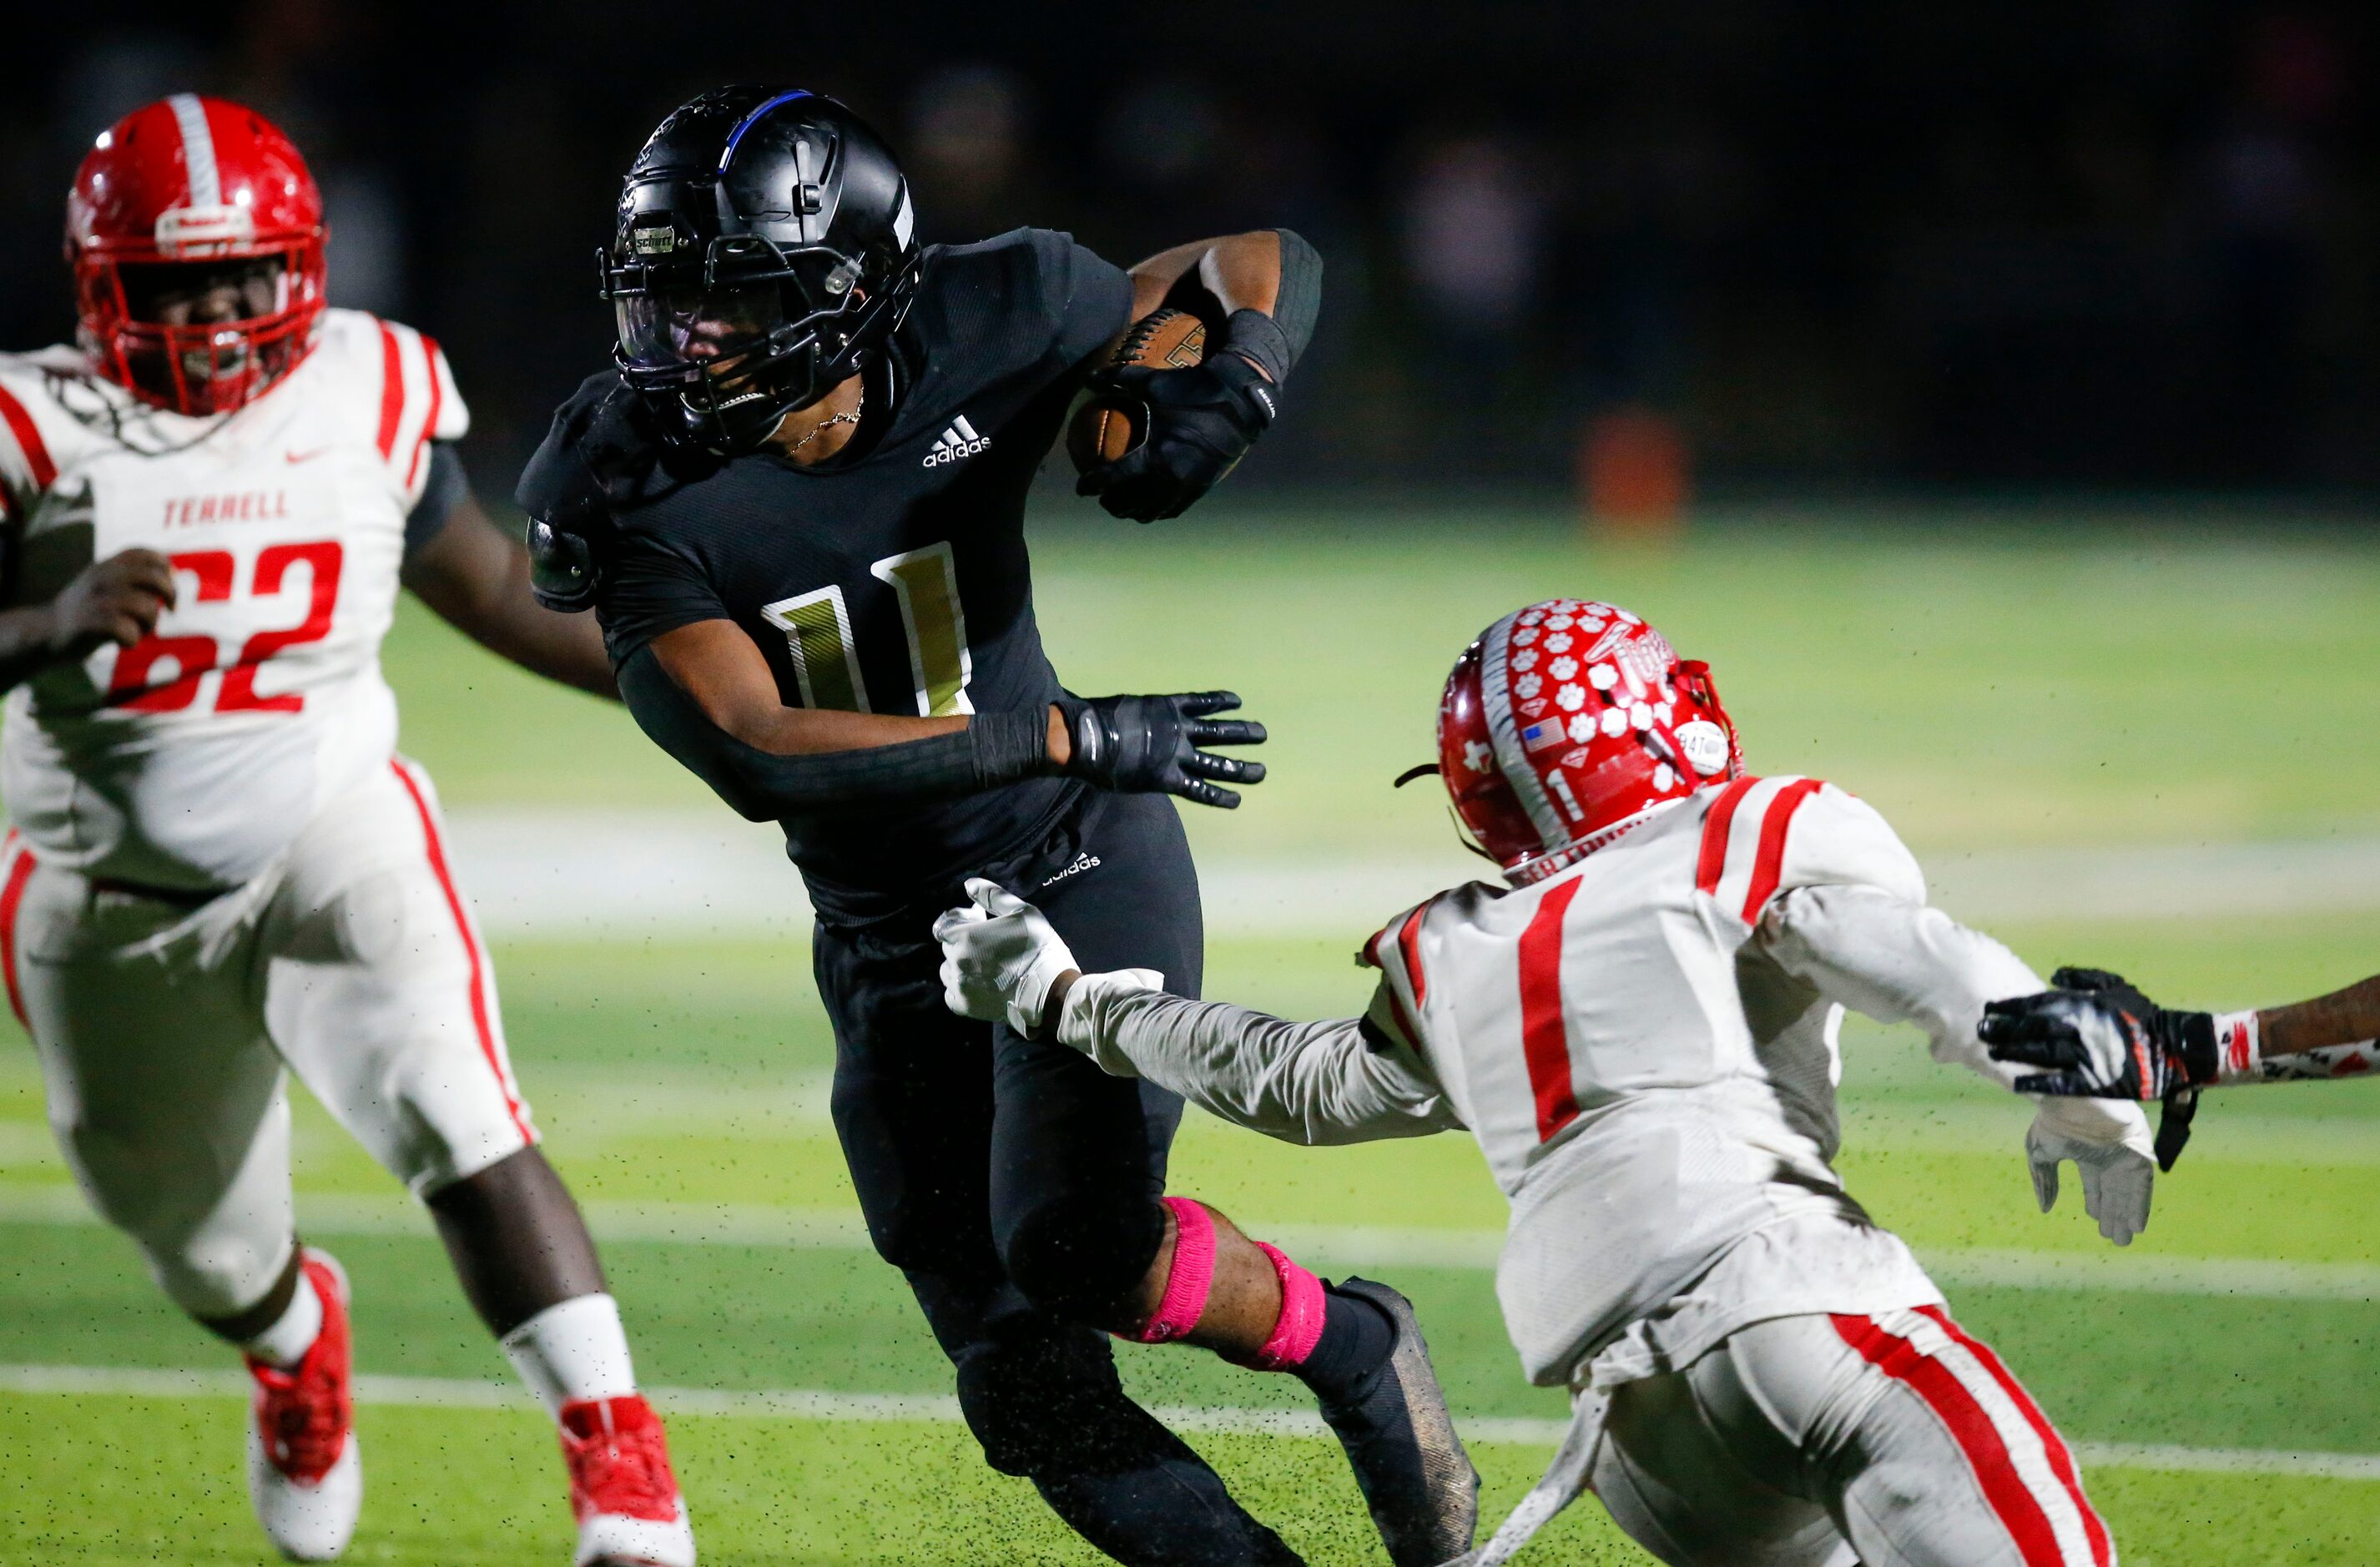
x: 2110, y: 1142
x: 1000, y: 958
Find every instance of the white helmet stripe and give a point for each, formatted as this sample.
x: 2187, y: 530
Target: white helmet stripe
x: 1495, y: 690
x: 198, y: 150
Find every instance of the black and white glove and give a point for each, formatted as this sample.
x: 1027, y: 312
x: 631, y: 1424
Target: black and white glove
x: 2093, y: 1047
x: 1201, y: 421
x: 2097, y: 1036
x: 1149, y: 744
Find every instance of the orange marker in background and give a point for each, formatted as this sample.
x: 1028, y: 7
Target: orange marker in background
x: 1634, y: 473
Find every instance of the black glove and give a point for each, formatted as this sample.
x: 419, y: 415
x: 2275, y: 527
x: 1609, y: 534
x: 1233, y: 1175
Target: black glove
x: 1201, y: 420
x: 2100, y: 1036
x: 1141, y: 745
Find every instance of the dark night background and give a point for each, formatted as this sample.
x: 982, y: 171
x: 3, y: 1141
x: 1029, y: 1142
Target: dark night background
x: 2004, y: 245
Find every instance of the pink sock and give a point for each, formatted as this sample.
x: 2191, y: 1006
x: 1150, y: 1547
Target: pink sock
x: 1191, y: 1278
x: 1303, y: 1308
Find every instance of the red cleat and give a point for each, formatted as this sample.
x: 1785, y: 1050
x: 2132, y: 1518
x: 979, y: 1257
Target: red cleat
x: 305, y: 1475
x: 629, y: 1512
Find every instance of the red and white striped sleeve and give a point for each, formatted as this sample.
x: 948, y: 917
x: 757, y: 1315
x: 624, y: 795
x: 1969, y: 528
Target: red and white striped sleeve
x: 1403, y: 990
x: 1764, y: 836
x: 418, y: 404
x: 27, y: 466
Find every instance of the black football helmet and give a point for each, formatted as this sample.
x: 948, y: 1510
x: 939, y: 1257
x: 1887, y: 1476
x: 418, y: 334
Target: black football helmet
x: 766, y: 248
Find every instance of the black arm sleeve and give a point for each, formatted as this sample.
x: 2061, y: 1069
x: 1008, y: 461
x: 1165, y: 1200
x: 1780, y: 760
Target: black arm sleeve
x: 445, y: 489
x: 1300, y: 300
x: 994, y: 749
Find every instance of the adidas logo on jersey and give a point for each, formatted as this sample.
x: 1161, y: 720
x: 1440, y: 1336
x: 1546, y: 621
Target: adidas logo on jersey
x: 959, y: 441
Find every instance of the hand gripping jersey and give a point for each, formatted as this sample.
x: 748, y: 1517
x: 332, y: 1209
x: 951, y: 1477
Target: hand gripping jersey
x: 190, y: 759
x: 1644, y: 1048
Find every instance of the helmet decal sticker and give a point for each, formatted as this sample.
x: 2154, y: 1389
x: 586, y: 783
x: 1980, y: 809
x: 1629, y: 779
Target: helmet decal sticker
x: 1591, y: 723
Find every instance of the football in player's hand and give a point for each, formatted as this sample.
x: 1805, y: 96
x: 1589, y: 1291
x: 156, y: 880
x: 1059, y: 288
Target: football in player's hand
x: 1105, y: 429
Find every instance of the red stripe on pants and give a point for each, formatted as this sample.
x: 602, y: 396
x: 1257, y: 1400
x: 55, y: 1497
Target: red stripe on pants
x: 19, y: 871
x: 1712, y: 862
x: 1769, y: 863
x: 463, y: 929
x: 1987, y: 1455
x: 1545, y: 1037
x: 2061, y: 1462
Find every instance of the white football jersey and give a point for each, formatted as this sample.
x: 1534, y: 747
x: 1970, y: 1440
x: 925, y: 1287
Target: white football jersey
x: 1648, y: 1085
x: 191, y: 759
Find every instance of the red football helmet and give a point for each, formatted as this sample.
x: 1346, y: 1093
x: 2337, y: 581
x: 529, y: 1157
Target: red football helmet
x: 203, y: 184
x: 1564, y: 723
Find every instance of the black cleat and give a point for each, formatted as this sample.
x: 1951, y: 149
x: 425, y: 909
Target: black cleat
x: 1419, y: 1484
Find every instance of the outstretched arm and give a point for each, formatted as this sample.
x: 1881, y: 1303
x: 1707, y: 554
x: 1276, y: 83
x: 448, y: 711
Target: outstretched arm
x: 1341, y: 1081
x: 1338, y: 1081
x: 1899, y: 961
x: 2348, y: 1019
x: 704, y: 693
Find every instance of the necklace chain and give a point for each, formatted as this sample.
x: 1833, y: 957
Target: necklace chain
x: 832, y: 421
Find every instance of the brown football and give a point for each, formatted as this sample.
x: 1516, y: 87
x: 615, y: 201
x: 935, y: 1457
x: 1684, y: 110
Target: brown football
x: 1165, y: 339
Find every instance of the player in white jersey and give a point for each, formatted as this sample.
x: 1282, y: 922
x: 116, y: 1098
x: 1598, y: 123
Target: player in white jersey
x: 1639, y: 1029
x: 220, y: 869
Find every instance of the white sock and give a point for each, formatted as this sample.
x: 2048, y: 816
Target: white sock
x: 286, y: 1342
x: 577, y: 1350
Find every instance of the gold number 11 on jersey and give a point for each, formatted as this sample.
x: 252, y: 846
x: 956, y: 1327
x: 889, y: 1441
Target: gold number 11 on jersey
x: 817, y: 632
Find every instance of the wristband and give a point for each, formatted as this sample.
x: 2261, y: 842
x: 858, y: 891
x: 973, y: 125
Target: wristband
x: 1005, y: 747
x: 1258, y: 338
x: 2238, y: 1047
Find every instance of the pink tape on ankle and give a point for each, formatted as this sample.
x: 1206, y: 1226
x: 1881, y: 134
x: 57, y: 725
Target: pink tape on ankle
x: 1301, y: 1310
x: 1191, y: 1278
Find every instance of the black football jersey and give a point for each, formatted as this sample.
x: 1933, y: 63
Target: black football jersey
x: 891, y: 579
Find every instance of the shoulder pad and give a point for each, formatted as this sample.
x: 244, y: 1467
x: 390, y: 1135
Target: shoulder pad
x: 1761, y: 836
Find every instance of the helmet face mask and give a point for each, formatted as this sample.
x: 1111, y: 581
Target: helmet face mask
x: 204, y: 336
x: 765, y: 248
x: 196, y: 236
x: 733, y: 358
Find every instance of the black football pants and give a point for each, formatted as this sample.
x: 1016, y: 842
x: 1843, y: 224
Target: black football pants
x: 1016, y: 1184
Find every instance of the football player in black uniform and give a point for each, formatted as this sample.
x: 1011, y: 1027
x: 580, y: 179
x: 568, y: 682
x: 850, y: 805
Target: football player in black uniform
x: 796, y: 505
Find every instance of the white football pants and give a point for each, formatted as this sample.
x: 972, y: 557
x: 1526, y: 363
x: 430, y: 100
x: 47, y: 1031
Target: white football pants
x: 1890, y: 1440
x: 163, y: 1032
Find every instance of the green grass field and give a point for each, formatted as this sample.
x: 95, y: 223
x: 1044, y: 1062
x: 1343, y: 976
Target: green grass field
x: 2069, y: 682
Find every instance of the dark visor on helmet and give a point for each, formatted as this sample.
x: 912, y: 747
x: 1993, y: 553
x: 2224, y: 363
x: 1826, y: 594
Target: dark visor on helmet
x: 675, y: 328
x: 740, y: 301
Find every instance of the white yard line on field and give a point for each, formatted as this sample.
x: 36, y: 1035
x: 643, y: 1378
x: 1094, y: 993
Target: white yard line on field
x: 800, y: 1403
x: 677, y: 872
x: 1334, y: 1245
